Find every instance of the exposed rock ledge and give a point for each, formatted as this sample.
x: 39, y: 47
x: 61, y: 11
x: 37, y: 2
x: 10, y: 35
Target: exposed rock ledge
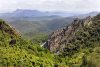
x: 61, y: 37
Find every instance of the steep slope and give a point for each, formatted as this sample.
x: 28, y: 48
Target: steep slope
x: 8, y: 34
x: 17, y: 52
x: 4, y: 27
x: 78, y: 48
x: 75, y: 36
x: 77, y: 45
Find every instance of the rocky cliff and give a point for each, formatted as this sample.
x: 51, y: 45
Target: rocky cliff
x: 60, y: 38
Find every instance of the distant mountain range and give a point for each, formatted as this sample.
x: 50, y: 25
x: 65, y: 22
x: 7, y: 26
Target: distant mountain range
x: 39, y: 15
x: 36, y: 13
x: 87, y: 14
x: 34, y: 21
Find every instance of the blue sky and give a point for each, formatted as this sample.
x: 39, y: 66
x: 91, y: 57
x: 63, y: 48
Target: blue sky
x: 50, y: 5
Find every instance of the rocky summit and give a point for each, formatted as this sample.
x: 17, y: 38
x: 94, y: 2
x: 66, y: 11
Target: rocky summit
x: 62, y: 37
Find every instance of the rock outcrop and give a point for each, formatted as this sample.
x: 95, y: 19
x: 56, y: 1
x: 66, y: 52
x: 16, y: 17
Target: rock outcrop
x: 60, y: 38
x: 8, y: 29
x: 8, y: 33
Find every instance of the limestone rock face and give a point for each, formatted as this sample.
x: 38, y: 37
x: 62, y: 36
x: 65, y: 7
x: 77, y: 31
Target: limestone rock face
x: 61, y: 37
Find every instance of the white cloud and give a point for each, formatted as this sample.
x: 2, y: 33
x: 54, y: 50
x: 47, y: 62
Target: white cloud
x: 50, y: 5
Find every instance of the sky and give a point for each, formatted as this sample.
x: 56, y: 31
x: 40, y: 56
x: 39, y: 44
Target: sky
x: 50, y: 5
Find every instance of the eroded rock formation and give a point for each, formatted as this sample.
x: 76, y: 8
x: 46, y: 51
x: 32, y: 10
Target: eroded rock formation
x: 61, y: 37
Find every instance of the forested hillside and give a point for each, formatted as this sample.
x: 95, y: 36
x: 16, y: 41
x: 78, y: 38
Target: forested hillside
x: 82, y: 36
x: 17, y: 52
x: 81, y: 49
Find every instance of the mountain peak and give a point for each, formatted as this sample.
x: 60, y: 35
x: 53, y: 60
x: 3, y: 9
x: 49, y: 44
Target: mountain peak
x: 25, y: 10
x: 60, y: 39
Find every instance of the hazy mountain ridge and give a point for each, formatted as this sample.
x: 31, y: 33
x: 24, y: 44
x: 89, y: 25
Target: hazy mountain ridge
x: 92, y: 14
x: 36, y: 13
x: 34, y: 21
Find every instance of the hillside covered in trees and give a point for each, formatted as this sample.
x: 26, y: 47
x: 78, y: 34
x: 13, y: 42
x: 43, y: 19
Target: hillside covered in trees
x: 82, y: 48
